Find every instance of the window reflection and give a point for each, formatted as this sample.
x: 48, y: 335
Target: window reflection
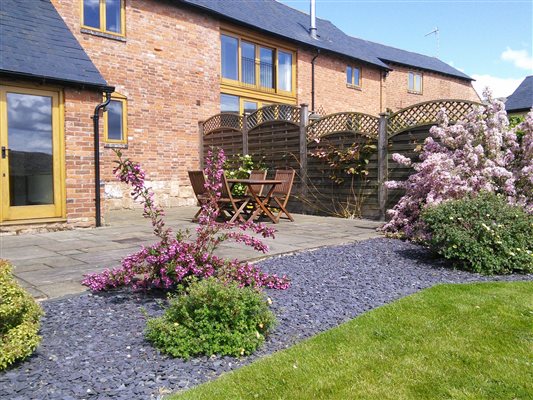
x: 285, y: 71
x: 266, y: 67
x: 115, y: 130
x: 30, y: 130
x: 229, y: 57
x: 229, y: 103
x: 248, y: 62
x: 91, y: 13
x: 112, y: 16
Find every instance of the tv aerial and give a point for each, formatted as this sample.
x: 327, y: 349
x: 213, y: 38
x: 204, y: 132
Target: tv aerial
x: 435, y: 32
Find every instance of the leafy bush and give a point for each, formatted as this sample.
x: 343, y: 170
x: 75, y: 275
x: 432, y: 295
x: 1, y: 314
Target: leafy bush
x: 240, y: 167
x: 19, y: 319
x: 482, y: 234
x: 212, y: 318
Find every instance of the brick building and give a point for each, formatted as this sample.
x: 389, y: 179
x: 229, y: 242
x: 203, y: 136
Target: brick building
x: 169, y: 65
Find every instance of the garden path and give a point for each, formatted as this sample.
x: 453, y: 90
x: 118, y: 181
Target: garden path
x: 52, y: 264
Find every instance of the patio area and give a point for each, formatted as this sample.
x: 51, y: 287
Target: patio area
x: 51, y: 265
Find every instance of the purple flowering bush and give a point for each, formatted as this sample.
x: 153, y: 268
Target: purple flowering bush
x: 479, y: 154
x: 178, y: 257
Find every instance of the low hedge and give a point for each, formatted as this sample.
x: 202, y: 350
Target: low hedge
x: 212, y: 318
x: 19, y: 319
x: 482, y: 234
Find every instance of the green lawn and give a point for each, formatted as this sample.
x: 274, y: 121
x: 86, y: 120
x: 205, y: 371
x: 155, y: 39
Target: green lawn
x: 449, y: 342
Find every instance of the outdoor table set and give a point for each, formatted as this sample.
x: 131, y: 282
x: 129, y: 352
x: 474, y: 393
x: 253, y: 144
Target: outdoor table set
x: 256, y: 201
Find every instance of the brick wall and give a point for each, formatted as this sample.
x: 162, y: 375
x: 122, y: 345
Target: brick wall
x: 168, y: 68
x: 79, y: 155
x: 434, y: 87
x: 331, y: 92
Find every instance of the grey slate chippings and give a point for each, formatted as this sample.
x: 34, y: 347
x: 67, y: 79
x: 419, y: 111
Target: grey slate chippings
x: 93, y: 345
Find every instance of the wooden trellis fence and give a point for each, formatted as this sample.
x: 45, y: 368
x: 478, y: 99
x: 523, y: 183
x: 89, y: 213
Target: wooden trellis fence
x: 283, y: 137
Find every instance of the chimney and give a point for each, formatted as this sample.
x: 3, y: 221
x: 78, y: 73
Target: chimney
x: 312, y: 29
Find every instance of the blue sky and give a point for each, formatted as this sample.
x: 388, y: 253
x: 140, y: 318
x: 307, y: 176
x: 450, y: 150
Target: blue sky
x: 490, y: 40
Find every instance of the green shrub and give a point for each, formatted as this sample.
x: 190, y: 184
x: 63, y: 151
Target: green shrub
x: 482, y: 234
x: 212, y: 318
x: 19, y: 319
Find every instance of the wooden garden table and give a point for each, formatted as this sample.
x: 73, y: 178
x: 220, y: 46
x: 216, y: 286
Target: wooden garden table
x: 259, y: 204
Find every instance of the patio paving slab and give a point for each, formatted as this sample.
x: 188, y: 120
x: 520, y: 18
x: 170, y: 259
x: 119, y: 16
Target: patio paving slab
x: 52, y: 264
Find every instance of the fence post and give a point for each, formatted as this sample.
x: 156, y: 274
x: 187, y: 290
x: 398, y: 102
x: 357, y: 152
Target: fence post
x: 383, y: 166
x: 201, y: 143
x: 244, y: 133
x: 304, y: 121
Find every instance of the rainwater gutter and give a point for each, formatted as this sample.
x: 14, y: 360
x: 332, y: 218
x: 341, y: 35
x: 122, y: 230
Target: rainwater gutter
x: 96, y: 126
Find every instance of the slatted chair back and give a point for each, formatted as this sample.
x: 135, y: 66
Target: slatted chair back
x: 287, y: 177
x: 197, y: 179
x: 225, y: 191
x: 258, y: 174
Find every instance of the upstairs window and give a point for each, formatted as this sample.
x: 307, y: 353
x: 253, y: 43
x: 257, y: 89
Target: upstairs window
x: 414, y: 84
x: 255, y: 66
x: 115, y: 120
x: 106, y: 16
x: 285, y: 71
x: 230, y: 57
x: 353, y: 76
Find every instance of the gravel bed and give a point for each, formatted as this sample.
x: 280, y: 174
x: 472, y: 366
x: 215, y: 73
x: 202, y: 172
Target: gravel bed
x: 93, y: 345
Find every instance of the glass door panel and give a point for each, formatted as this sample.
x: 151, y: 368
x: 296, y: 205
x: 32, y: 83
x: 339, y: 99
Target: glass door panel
x: 30, y: 154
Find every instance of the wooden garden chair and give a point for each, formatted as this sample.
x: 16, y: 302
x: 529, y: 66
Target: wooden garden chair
x: 282, y: 192
x: 258, y: 174
x: 228, y: 203
x: 197, y: 179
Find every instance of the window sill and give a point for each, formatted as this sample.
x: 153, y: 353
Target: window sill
x: 115, y: 145
x: 354, y: 87
x: 103, y: 35
x: 414, y: 92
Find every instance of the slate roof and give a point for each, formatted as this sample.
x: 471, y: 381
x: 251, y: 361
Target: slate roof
x: 522, y: 97
x: 276, y: 18
x: 35, y: 42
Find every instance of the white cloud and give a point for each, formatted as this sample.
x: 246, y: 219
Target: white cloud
x: 501, y: 87
x: 520, y: 58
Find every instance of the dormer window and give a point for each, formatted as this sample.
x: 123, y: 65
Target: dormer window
x: 106, y: 16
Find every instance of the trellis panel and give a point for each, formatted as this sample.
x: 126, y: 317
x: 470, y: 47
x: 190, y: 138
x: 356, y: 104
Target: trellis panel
x: 426, y: 113
x: 364, y: 124
x: 223, y: 122
x: 275, y: 112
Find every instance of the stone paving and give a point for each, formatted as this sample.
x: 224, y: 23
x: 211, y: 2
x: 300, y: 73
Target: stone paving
x: 52, y: 264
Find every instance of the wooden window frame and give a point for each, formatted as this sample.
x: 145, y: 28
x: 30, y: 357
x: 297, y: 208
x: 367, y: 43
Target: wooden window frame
x: 352, y: 84
x: 102, y: 14
x: 413, y: 90
x: 256, y: 91
x: 118, y: 97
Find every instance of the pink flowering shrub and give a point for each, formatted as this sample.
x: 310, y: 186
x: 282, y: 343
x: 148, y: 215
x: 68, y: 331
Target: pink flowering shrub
x: 178, y: 257
x: 480, y: 153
